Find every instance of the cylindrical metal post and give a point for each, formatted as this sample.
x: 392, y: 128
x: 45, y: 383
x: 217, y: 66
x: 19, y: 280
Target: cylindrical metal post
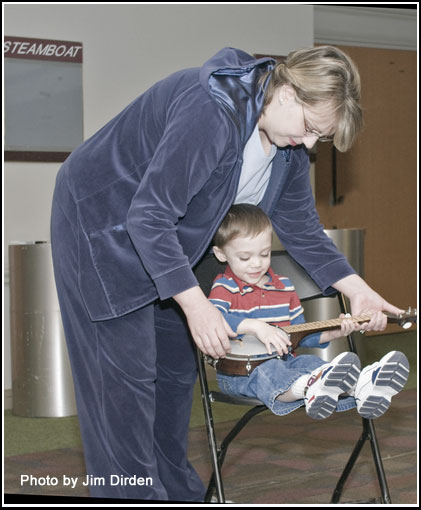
x: 42, y: 382
x: 351, y: 243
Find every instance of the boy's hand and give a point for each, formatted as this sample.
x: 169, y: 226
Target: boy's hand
x: 348, y: 325
x: 273, y: 338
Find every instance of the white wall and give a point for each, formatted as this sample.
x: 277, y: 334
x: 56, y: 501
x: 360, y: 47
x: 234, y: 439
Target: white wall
x: 126, y: 48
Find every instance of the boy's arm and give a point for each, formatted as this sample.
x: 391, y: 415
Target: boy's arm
x: 321, y: 340
x: 313, y: 339
x: 221, y: 298
x: 347, y: 327
x: 272, y: 338
x: 296, y: 316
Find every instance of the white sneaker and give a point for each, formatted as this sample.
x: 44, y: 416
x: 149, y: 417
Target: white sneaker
x: 329, y: 381
x: 379, y: 382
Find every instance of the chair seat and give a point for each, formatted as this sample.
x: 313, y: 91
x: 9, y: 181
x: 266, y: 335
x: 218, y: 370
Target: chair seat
x: 217, y: 396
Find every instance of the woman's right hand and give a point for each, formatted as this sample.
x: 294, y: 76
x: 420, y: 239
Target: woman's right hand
x: 209, y: 329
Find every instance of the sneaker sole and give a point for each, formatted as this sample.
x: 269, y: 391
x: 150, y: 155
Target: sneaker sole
x: 340, y: 379
x: 390, y: 380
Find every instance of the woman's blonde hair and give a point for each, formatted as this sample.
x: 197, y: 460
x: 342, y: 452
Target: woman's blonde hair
x: 245, y: 220
x: 322, y: 74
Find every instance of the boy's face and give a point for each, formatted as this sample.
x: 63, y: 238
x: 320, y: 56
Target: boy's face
x: 248, y: 257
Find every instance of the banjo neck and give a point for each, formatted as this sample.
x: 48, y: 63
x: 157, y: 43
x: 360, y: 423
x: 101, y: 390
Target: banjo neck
x: 314, y: 327
x: 298, y: 331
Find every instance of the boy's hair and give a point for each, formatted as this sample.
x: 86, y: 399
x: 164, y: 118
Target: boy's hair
x: 245, y: 220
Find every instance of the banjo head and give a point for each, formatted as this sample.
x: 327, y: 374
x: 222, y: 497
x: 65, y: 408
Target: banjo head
x: 246, y: 347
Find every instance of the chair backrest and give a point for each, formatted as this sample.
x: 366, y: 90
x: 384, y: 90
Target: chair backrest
x: 282, y: 263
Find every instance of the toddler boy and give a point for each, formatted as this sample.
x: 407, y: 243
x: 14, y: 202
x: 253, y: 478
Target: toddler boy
x: 254, y: 300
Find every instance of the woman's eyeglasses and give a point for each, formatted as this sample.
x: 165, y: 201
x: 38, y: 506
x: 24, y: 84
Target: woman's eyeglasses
x: 313, y: 132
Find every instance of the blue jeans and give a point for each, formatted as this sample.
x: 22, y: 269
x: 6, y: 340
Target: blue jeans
x: 274, y: 377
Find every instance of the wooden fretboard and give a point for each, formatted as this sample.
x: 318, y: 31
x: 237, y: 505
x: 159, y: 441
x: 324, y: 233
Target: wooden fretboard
x: 299, y: 331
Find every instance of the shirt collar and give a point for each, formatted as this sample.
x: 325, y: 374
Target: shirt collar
x: 273, y: 281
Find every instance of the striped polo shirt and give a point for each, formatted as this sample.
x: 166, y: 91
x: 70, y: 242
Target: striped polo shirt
x: 276, y: 302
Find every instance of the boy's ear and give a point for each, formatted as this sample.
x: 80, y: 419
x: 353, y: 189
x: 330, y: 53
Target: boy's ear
x: 219, y: 254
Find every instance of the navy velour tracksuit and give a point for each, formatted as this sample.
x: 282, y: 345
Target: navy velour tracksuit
x: 135, y: 208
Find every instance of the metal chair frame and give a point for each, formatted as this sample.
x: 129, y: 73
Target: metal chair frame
x: 282, y: 263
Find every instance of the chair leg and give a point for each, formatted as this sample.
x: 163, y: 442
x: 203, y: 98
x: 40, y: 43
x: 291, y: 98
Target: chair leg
x: 218, y: 454
x: 238, y: 427
x: 368, y: 433
x: 378, y: 463
x: 222, y: 450
x: 216, y: 476
x: 350, y: 464
x: 344, y: 309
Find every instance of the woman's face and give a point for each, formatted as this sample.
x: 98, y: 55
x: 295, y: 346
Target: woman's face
x: 286, y: 122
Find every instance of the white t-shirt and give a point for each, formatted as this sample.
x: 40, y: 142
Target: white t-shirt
x: 255, y: 172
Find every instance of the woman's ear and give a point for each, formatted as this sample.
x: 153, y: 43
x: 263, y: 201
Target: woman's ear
x: 219, y: 254
x: 286, y: 93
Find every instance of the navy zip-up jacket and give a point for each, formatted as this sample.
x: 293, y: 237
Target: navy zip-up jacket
x: 153, y: 185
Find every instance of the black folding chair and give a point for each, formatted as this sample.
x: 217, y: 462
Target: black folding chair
x: 282, y: 263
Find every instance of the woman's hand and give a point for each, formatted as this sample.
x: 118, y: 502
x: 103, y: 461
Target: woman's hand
x: 273, y: 338
x: 208, y: 328
x: 364, y: 300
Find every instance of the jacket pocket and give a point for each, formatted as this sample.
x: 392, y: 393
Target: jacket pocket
x: 112, y: 278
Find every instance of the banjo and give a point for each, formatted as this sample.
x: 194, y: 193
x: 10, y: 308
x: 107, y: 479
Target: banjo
x: 248, y: 352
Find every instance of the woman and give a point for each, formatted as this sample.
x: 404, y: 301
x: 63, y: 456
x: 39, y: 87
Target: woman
x: 136, y: 207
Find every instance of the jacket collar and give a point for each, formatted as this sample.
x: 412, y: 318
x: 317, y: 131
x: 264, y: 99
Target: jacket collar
x: 231, y: 77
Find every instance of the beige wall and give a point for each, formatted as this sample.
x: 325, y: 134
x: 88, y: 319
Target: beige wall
x: 125, y: 50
